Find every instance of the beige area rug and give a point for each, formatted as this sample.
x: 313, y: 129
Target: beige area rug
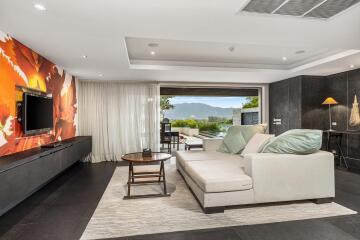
x: 115, y: 217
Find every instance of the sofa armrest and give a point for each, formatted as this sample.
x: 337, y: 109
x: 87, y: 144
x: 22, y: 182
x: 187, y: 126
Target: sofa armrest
x: 212, y: 144
x: 283, y: 177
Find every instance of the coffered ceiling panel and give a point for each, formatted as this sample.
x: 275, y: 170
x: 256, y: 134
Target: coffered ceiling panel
x: 226, y: 55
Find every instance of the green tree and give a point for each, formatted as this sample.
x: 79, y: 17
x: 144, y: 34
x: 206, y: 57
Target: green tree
x: 165, y: 104
x: 204, y: 125
x: 252, y: 102
x: 229, y: 121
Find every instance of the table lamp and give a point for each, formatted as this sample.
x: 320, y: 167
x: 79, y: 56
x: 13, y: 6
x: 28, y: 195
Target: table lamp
x: 330, y: 101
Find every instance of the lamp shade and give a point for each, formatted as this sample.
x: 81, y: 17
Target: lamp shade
x: 330, y: 101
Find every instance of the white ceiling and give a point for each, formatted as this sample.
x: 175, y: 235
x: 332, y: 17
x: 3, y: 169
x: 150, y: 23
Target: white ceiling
x: 70, y: 29
x: 331, y: 67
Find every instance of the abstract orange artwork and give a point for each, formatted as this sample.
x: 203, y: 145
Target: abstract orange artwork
x: 21, y: 66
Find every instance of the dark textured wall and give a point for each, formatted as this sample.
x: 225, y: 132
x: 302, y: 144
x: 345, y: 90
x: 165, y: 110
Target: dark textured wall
x: 313, y: 114
x: 285, y: 104
x: 309, y: 113
x: 295, y: 92
x: 279, y: 105
x: 337, y: 88
x: 343, y: 87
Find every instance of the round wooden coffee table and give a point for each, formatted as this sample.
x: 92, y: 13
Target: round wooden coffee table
x: 138, y: 158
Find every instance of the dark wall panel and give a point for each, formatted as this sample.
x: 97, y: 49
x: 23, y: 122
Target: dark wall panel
x: 353, y: 141
x: 294, y: 111
x: 279, y: 106
x: 337, y: 88
x: 353, y: 148
x: 353, y: 88
x: 286, y: 104
x: 314, y: 91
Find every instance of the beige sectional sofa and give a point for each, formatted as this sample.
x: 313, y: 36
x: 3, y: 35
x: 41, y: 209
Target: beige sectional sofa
x: 218, y: 180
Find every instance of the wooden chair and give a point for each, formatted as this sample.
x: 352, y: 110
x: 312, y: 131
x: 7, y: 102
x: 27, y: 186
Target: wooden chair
x: 165, y: 135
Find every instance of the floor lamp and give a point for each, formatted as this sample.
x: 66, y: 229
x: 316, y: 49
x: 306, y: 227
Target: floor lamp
x: 330, y: 101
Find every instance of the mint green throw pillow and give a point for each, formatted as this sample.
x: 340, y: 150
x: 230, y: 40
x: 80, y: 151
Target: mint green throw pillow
x: 296, y: 141
x: 234, y: 140
x: 248, y: 131
x: 237, y: 137
x: 222, y: 148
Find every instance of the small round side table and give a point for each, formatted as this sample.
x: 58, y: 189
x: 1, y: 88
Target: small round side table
x: 138, y: 158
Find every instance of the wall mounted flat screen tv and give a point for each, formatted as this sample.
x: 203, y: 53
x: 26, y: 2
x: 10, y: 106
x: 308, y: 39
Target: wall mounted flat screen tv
x: 37, y: 114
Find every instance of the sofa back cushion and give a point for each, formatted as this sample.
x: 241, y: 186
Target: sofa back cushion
x: 237, y: 137
x: 296, y: 141
x: 257, y: 143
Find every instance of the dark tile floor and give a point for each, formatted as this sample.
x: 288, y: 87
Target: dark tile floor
x: 62, y: 209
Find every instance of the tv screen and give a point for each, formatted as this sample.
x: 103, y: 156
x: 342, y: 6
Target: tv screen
x: 37, y: 113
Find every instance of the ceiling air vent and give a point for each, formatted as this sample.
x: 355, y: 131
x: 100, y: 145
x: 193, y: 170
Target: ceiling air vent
x: 297, y: 7
x: 260, y: 6
x: 309, y: 8
x: 331, y: 8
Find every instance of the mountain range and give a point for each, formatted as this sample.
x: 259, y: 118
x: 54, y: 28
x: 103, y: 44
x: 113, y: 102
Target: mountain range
x: 197, y: 111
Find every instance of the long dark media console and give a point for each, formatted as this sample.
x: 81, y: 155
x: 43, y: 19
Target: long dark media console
x: 23, y: 173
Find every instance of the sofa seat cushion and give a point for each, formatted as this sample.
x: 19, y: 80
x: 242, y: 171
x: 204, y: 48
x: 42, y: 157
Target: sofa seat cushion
x: 198, y: 155
x: 218, y: 175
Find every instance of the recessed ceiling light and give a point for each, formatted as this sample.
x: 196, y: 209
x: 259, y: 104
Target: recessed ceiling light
x: 352, y: 66
x: 39, y: 7
x: 153, y: 53
x: 153, y: 44
x: 284, y: 58
x: 84, y: 56
x: 101, y: 75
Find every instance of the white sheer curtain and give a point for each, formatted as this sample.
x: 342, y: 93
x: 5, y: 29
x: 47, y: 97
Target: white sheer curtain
x: 120, y: 117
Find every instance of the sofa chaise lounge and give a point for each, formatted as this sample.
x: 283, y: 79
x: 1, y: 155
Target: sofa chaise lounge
x: 218, y: 180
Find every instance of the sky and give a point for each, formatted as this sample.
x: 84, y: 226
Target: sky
x: 224, y: 102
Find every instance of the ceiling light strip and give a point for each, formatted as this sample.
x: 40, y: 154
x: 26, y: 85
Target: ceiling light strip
x: 313, y: 8
x: 285, y: 2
